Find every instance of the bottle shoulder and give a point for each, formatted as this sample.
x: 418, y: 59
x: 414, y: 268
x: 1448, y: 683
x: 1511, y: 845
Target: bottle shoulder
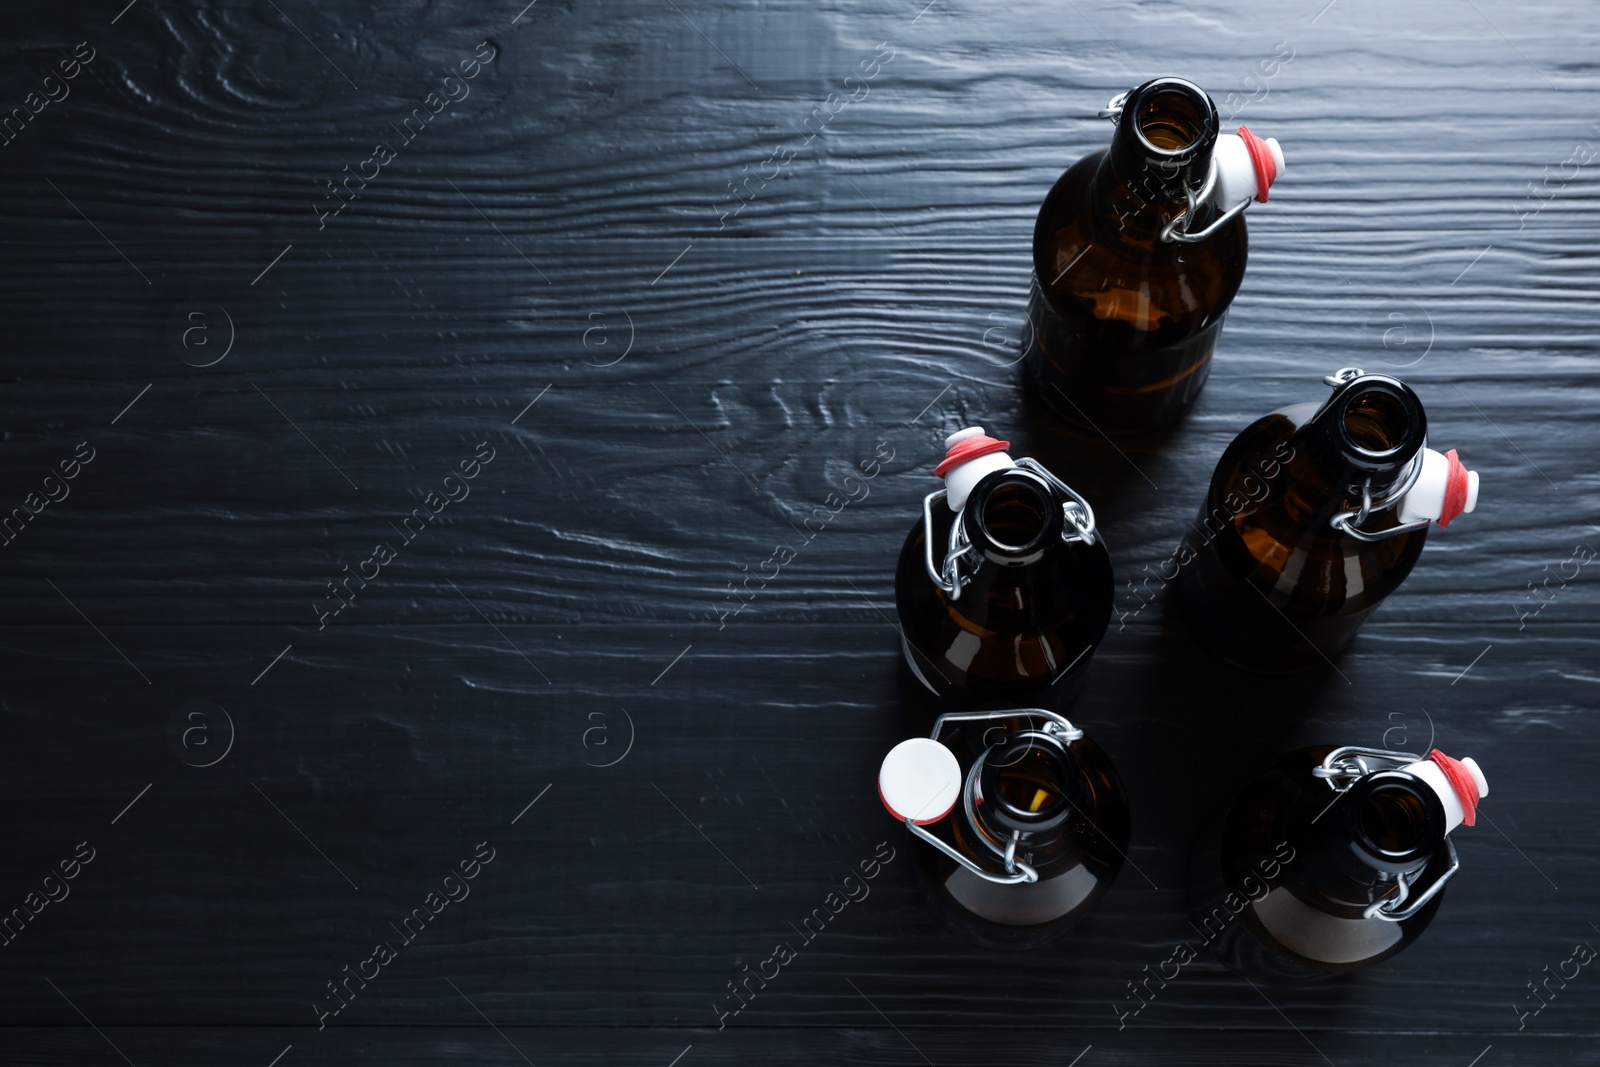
x: 1098, y: 256
x: 1064, y: 202
x: 1020, y: 633
x: 1275, y: 800
x: 1103, y: 789
x: 1067, y: 580
x: 1267, y: 501
x: 1106, y: 811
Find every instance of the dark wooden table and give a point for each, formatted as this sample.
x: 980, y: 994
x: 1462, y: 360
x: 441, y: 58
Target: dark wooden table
x: 643, y: 262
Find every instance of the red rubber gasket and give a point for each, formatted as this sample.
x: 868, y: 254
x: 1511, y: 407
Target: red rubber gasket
x: 1260, y: 158
x: 1462, y: 782
x: 1455, y: 489
x: 969, y: 449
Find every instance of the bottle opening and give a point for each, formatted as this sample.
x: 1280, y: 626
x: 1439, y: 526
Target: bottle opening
x: 1026, y: 780
x: 1013, y: 514
x: 1393, y: 820
x: 1173, y: 119
x: 1164, y: 139
x: 1372, y: 425
x: 1376, y: 422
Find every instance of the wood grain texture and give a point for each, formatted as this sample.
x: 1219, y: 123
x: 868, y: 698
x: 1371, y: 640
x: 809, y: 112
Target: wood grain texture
x: 183, y: 1047
x: 700, y: 380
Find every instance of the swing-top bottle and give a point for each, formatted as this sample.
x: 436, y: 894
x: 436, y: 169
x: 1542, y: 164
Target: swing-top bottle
x: 1019, y: 823
x: 1137, y: 253
x: 1314, y: 515
x: 1331, y: 860
x: 1004, y: 588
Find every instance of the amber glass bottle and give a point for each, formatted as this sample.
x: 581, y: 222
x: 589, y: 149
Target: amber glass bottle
x: 1124, y: 314
x: 1004, y: 588
x: 1037, y: 828
x: 1281, y: 567
x: 1330, y: 861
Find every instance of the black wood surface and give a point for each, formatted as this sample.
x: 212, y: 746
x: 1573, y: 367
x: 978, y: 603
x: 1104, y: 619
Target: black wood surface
x: 678, y: 298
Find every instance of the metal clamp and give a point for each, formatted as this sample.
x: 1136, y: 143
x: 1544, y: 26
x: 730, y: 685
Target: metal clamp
x: 1076, y: 510
x: 1172, y: 233
x: 1350, y: 762
x: 1349, y: 522
x: 1059, y: 725
x: 1340, y: 768
x: 1016, y: 871
x: 1020, y: 872
x: 1113, y: 110
x: 1404, y: 906
x: 947, y: 576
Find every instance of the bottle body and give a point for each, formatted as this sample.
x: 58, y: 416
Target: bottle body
x: 1077, y: 848
x: 1265, y: 580
x: 1023, y: 630
x: 1124, y: 320
x: 1279, y: 892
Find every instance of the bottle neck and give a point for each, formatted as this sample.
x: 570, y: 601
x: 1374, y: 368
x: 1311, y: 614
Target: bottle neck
x: 1366, y: 436
x: 1386, y: 825
x: 1161, y: 148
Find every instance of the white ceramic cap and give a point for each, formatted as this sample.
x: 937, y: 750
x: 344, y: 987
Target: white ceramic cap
x: 1236, y: 172
x: 1430, y: 772
x: 960, y: 480
x: 1426, y: 500
x: 920, y: 780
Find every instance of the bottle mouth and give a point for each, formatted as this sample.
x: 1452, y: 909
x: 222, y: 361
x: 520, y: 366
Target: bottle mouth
x: 1380, y: 423
x: 1397, y: 819
x: 1025, y: 784
x: 1014, y: 514
x: 1172, y: 117
x: 1375, y: 423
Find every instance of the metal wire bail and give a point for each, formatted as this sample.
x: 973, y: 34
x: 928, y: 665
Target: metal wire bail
x: 1113, y: 110
x: 1405, y: 905
x: 1021, y: 873
x: 1177, y: 230
x: 1346, y: 764
x: 1349, y: 522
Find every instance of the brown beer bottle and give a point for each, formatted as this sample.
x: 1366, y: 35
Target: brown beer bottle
x: 1137, y: 253
x: 1037, y: 827
x: 1004, y: 588
x: 1331, y: 860
x: 1314, y: 515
